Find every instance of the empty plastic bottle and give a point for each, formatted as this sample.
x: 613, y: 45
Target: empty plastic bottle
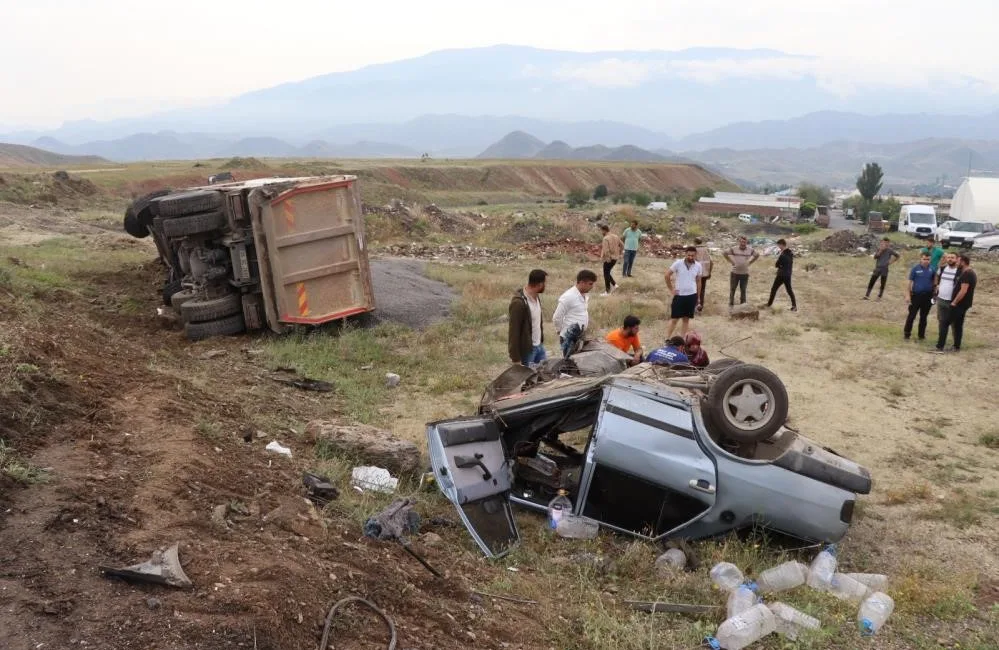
x: 726, y: 576
x: 874, y: 611
x: 748, y: 627
x: 846, y: 588
x: 573, y: 527
x: 674, y: 557
x: 558, y: 507
x: 876, y: 581
x: 790, y: 622
x: 823, y: 567
x: 782, y: 577
x: 742, y: 598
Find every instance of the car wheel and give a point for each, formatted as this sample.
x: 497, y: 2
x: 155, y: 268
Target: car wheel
x: 200, y: 311
x: 184, y: 203
x: 194, y: 224
x: 222, y: 327
x: 747, y: 403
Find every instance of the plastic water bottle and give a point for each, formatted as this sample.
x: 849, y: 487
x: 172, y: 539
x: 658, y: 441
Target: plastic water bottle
x: 874, y: 612
x: 846, y: 588
x: 782, y: 577
x: 674, y: 558
x: 573, y: 527
x: 726, y: 576
x: 742, y: 598
x: 558, y: 507
x: 823, y: 567
x: 790, y: 622
x: 875, y: 581
x: 748, y: 627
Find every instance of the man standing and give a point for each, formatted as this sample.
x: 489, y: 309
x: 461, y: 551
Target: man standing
x: 784, y: 265
x: 960, y: 304
x: 936, y: 252
x: 945, y: 283
x: 683, y: 279
x: 610, y: 252
x: 884, y: 257
x: 626, y: 340
x: 526, y: 336
x: 740, y: 257
x: 704, y: 257
x: 632, y: 236
x: 919, y: 296
x: 571, y: 314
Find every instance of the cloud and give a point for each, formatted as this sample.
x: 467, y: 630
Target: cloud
x: 606, y: 73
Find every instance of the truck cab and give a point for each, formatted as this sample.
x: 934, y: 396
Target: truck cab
x: 918, y: 220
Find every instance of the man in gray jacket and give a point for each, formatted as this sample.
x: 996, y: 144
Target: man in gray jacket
x: 526, y: 337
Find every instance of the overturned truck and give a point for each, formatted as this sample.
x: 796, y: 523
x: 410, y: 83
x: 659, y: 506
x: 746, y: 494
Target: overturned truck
x: 265, y: 253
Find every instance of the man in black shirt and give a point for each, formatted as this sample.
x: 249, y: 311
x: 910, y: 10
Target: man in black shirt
x: 964, y: 296
x: 785, y: 262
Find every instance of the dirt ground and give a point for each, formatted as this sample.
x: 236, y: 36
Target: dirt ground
x: 145, y: 435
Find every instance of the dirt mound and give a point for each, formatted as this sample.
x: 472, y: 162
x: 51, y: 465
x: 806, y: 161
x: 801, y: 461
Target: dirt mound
x: 404, y: 294
x: 239, y: 162
x: 846, y: 241
x: 452, y: 223
x: 40, y: 189
x: 526, y: 229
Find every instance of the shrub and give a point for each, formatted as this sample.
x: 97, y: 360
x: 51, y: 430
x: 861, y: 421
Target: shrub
x: 600, y: 192
x: 805, y: 228
x: 577, y: 197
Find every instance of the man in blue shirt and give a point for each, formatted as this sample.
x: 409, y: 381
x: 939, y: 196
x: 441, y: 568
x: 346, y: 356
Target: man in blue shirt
x: 919, y: 295
x: 670, y: 354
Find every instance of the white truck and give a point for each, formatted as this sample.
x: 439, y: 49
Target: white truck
x: 918, y: 220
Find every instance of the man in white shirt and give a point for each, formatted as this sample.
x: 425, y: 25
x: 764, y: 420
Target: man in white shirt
x: 683, y: 278
x: 945, y: 284
x: 571, y: 314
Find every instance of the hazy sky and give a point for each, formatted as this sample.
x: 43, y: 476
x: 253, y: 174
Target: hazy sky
x: 101, y: 59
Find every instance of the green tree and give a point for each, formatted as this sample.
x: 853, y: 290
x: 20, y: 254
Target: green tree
x: 807, y: 209
x: 577, y: 197
x: 600, y: 192
x: 870, y: 181
x: 641, y: 199
x: 812, y: 193
x: 703, y: 192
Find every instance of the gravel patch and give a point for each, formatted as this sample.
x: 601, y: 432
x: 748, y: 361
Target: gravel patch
x: 405, y: 295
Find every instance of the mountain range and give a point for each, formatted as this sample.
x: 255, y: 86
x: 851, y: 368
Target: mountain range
x: 519, y: 144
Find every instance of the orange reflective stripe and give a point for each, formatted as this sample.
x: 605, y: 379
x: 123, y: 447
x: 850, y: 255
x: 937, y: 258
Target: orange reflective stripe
x: 289, y: 214
x: 303, y: 300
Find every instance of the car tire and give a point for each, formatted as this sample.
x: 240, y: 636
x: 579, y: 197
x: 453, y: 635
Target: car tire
x: 194, y: 224
x: 178, y: 299
x: 182, y: 204
x: 747, y: 403
x: 221, y: 327
x: 201, y: 311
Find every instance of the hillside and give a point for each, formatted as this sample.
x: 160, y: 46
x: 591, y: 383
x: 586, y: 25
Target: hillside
x: 519, y: 145
x: 19, y: 155
x: 514, y: 145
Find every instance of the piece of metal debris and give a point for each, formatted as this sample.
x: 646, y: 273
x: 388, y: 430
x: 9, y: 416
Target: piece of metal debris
x: 320, y: 490
x: 675, y: 608
x: 305, y: 383
x: 162, y: 568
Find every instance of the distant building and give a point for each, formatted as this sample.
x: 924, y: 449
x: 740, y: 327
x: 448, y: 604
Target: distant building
x: 976, y: 200
x: 760, y: 205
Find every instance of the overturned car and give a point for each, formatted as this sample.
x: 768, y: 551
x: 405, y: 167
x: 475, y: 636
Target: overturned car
x: 651, y: 451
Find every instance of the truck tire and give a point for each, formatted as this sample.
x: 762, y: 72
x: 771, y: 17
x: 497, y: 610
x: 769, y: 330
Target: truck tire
x: 182, y: 204
x: 138, y: 217
x: 194, y: 224
x: 747, y: 403
x: 133, y: 227
x: 178, y: 299
x: 221, y: 327
x: 201, y: 311
x: 170, y: 287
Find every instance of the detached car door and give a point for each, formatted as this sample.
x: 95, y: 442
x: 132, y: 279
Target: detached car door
x: 472, y: 471
x: 646, y: 473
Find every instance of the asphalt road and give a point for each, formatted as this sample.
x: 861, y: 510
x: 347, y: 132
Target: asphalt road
x: 838, y: 222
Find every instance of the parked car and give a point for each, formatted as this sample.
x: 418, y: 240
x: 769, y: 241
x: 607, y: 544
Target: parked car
x: 986, y: 242
x: 746, y: 218
x: 270, y: 252
x: 963, y: 233
x: 944, y: 229
x: 651, y: 452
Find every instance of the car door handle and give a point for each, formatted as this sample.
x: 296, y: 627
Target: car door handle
x: 701, y: 485
x: 468, y: 462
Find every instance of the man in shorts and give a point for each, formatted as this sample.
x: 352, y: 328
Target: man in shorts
x: 683, y: 279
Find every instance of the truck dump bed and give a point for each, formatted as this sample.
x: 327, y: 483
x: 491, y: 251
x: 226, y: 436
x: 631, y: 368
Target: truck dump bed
x: 309, y: 238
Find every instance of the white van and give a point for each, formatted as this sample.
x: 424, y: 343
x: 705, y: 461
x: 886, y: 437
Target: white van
x: 657, y: 205
x: 918, y: 220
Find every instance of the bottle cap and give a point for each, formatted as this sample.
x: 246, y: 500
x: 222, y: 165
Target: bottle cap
x: 866, y: 627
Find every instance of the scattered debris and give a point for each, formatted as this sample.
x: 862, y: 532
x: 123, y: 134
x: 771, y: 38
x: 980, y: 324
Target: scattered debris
x: 162, y: 568
x: 302, y: 382
x: 449, y: 252
x: 376, y: 479
x: 218, y: 516
x: 278, y: 448
x: 319, y: 489
x: 211, y: 354
x: 392, y: 380
x: 573, y: 526
x: 395, y: 522
x: 673, y: 558
x: 673, y: 608
x: 366, y: 444
x: 367, y: 603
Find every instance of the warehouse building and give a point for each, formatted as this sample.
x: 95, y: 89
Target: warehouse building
x: 758, y: 205
x: 976, y: 200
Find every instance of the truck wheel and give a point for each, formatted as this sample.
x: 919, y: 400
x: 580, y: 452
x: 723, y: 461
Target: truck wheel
x: 194, y: 224
x: 178, y: 299
x: 747, y: 403
x: 133, y: 227
x: 184, y: 203
x: 221, y: 327
x: 138, y: 217
x: 200, y: 311
x: 170, y: 287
